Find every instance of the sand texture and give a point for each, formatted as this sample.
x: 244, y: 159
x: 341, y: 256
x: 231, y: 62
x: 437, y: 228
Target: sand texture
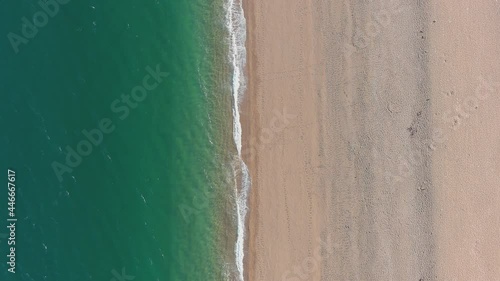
x: 372, y: 134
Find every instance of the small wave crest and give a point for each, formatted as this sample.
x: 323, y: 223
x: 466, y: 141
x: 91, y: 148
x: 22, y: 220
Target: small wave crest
x: 236, y: 25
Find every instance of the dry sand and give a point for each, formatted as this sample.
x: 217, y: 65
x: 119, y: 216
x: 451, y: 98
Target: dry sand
x: 372, y: 133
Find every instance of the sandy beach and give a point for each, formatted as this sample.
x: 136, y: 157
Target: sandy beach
x: 371, y: 131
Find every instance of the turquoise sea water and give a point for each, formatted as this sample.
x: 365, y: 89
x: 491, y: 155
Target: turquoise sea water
x: 154, y: 199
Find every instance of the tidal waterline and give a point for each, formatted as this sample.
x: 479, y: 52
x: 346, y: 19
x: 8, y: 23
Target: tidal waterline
x: 119, y: 210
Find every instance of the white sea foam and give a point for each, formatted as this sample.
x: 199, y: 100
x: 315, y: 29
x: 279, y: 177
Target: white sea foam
x: 236, y: 25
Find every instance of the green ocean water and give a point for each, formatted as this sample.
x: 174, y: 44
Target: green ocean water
x: 150, y: 201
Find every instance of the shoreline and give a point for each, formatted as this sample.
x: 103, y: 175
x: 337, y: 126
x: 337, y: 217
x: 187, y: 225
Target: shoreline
x: 236, y: 26
x: 247, y: 115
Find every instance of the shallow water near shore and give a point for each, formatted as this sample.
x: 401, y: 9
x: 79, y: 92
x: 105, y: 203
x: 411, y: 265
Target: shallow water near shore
x: 155, y: 199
